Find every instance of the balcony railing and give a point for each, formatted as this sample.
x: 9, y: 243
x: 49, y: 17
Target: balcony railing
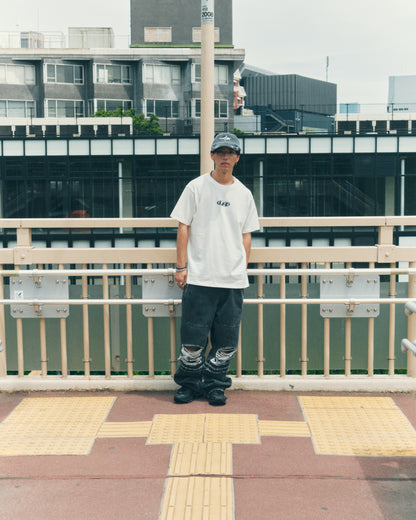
x: 289, y: 338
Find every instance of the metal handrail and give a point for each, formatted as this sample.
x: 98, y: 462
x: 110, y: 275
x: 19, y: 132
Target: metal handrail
x: 171, y: 271
x: 161, y: 301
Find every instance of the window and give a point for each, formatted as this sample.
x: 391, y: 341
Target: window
x: 64, y: 73
x: 220, y: 74
x: 17, y: 74
x: 113, y: 74
x: 112, y: 104
x: 64, y: 108
x: 9, y: 108
x: 162, y: 74
x: 162, y: 108
x: 220, y: 108
x: 196, y: 35
x: 158, y: 34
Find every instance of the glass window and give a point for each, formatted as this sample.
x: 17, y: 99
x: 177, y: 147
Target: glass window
x: 17, y: 74
x: 16, y: 109
x: 113, y: 104
x: 150, y: 106
x: 30, y: 109
x: 65, y: 108
x: 175, y: 109
x: 221, y: 109
x: 125, y: 74
x: 162, y: 74
x: 11, y: 108
x: 51, y: 108
x: 50, y: 73
x: 64, y: 73
x: 197, y: 108
x: 101, y: 74
x: 176, y: 74
x: 30, y: 78
x: 78, y: 74
x: 197, y: 73
x: 162, y: 107
x: 220, y: 74
x: 113, y: 74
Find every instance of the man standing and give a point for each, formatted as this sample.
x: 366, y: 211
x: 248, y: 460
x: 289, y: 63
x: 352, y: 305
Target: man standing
x: 216, y: 215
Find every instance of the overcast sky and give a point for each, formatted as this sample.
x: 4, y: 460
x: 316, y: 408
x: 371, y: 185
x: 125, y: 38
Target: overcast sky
x: 366, y: 40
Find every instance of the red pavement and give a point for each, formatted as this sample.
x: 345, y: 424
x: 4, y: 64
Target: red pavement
x: 281, y: 478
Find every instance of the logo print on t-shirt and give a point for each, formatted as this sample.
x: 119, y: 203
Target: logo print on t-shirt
x: 223, y: 203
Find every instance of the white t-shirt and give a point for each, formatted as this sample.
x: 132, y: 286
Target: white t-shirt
x: 218, y: 215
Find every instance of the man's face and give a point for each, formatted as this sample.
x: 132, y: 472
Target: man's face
x: 225, y: 158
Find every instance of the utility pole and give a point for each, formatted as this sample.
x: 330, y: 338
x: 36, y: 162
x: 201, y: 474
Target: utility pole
x: 207, y: 84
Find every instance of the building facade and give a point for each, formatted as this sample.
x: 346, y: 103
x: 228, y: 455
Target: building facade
x: 76, y: 83
x: 289, y: 102
x: 177, y: 23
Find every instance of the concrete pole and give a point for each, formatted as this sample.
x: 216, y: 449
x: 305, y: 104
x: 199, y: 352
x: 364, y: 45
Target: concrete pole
x: 207, y: 84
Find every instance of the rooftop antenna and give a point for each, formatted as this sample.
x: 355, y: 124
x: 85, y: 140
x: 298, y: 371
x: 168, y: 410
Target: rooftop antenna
x: 327, y: 67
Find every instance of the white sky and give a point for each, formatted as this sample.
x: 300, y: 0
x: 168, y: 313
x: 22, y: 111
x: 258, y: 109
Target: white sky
x: 366, y: 40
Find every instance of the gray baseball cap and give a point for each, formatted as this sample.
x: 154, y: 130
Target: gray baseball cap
x: 226, y: 140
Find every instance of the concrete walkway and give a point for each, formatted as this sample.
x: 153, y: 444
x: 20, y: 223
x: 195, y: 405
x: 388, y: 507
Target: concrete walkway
x: 265, y: 455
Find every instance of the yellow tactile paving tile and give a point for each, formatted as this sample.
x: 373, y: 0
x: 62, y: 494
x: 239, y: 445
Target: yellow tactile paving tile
x: 359, y: 426
x: 205, y: 498
x: 125, y: 429
x: 53, y: 426
x: 345, y: 402
x: 233, y: 428
x: 170, y: 429
x: 199, y: 458
x: 284, y: 428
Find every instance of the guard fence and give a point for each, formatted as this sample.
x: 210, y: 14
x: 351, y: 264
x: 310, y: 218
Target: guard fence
x: 320, y: 317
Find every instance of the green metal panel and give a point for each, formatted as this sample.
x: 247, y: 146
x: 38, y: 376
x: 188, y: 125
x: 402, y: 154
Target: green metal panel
x: 31, y: 335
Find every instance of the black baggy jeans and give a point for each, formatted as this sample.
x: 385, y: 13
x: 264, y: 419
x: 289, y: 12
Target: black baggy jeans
x: 215, y: 311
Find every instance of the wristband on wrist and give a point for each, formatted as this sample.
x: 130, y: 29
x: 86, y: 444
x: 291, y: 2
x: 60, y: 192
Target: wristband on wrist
x: 178, y: 269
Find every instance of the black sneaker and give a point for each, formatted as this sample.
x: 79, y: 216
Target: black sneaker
x: 217, y: 398
x: 184, y: 395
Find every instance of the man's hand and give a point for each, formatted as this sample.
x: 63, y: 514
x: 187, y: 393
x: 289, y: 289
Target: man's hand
x: 181, y: 277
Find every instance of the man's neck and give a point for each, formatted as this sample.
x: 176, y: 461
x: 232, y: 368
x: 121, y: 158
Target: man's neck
x: 222, y: 177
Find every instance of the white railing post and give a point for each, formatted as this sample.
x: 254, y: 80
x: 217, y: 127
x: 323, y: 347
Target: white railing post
x: 411, y: 325
x: 3, y: 358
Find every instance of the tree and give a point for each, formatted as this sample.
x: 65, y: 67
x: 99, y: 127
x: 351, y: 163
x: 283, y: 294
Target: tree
x: 141, y: 125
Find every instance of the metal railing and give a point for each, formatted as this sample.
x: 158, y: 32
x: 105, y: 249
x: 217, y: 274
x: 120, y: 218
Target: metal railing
x: 273, y: 271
